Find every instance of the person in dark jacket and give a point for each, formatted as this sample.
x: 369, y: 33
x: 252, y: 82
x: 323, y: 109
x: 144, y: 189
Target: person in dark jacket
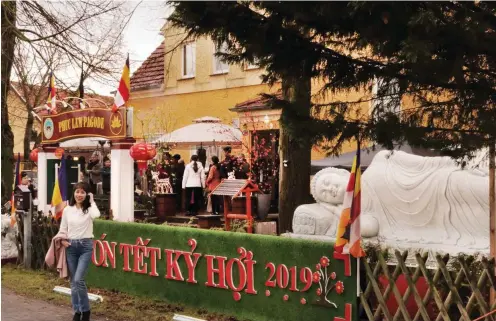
x: 228, y: 165
x: 177, y: 181
x: 106, y: 175
x: 26, y: 181
x: 85, y: 176
x: 94, y: 171
x: 242, y: 169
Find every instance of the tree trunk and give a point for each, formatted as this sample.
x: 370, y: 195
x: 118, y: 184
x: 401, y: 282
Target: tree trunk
x: 8, y: 46
x: 492, y: 213
x: 295, y: 156
x: 28, y: 134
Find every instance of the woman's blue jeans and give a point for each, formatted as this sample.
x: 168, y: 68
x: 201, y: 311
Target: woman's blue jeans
x: 78, y: 260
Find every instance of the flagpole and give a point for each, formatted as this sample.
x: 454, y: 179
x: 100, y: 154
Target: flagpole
x: 359, y: 168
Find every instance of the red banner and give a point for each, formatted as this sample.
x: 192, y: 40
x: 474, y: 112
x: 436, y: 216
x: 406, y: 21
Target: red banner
x: 90, y: 122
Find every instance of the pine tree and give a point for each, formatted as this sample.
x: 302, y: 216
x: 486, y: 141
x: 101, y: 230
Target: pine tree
x: 440, y: 55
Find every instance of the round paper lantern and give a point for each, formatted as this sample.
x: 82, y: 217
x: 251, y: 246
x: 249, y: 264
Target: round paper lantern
x: 59, y: 152
x: 34, y: 155
x: 142, y: 151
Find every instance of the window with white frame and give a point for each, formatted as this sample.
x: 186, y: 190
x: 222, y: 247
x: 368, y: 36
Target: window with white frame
x: 385, y: 97
x: 220, y: 67
x: 188, y: 60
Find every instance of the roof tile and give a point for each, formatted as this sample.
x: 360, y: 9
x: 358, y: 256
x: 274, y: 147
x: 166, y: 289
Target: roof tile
x: 151, y: 73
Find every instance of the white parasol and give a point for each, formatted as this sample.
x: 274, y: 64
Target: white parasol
x: 206, y: 131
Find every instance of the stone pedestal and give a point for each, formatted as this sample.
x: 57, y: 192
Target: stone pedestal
x: 209, y: 221
x: 122, y: 181
x: 165, y: 205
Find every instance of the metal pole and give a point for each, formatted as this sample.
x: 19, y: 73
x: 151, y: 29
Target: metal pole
x: 27, y: 233
x: 492, y: 212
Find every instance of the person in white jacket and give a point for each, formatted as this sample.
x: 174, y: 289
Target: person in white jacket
x: 194, y: 183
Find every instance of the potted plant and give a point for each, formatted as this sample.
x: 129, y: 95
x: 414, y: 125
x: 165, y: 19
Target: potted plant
x: 264, y: 170
x: 139, y: 211
x: 143, y: 205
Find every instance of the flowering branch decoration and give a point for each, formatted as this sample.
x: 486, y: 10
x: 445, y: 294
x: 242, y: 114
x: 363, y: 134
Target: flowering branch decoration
x: 264, y: 162
x: 327, y: 283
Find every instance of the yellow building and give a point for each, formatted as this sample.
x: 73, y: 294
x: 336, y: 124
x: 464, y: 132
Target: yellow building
x: 18, y: 115
x: 182, y: 80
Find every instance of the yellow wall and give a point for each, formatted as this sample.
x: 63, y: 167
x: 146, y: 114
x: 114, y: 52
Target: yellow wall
x: 17, y: 119
x: 179, y: 100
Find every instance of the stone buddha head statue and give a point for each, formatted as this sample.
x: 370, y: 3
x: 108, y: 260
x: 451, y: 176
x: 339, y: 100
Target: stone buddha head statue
x: 329, y: 185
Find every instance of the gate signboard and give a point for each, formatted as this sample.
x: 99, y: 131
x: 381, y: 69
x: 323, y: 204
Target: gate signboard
x: 99, y: 122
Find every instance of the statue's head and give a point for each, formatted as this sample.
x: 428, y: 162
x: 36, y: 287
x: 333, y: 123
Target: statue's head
x: 329, y: 185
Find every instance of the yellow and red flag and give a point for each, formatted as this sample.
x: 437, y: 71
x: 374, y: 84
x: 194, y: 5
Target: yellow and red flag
x: 122, y: 94
x: 59, y: 196
x: 51, y: 100
x: 348, y: 237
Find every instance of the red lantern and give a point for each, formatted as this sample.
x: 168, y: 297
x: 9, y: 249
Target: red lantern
x: 34, y: 155
x: 142, y: 151
x: 152, y: 152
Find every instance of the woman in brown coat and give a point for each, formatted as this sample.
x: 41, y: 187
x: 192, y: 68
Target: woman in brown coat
x: 213, y: 180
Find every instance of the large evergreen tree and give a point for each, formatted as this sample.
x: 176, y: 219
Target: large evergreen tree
x: 438, y: 55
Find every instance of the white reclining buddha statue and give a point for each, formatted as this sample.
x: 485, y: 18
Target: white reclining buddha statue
x: 408, y: 201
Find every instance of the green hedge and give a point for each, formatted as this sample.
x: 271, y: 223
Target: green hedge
x: 277, y: 250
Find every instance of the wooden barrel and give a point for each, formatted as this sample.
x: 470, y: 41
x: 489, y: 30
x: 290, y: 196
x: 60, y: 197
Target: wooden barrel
x: 165, y: 205
x: 239, y: 205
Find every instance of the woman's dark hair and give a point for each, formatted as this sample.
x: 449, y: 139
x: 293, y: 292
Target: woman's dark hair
x: 86, y: 203
x: 24, y: 174
x: 215, y: 160
x: 194, y: 159
x: 82, y: 160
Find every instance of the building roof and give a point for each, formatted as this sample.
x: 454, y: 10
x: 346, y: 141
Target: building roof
x: 151, y: 73
x: 259, y: 102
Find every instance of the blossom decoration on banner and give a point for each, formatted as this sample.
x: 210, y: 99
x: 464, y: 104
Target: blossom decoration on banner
x: 339, y: 287
x: 327, y: 282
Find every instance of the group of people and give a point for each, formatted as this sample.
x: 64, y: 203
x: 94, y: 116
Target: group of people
x: 196, y: 180
x: 171, y: 167
x: 96, y: 172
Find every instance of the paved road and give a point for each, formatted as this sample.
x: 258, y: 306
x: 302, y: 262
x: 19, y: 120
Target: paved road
x: 19, y: 308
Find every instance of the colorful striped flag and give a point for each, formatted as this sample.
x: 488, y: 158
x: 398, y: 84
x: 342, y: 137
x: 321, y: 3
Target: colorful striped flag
x: 17, y: 181
x: 51, y: 94
x: 348, y: 238
x: 122, y: 94
x: 59, y: 196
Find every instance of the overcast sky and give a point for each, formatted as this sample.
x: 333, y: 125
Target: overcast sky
x: 141, y: 37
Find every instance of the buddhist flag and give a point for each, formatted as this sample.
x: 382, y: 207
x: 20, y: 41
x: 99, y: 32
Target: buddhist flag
x: 348, y: 238
x: 51, y: 94
x: 59, y: 196
x: 122, y: 94
x: 17, y: 181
